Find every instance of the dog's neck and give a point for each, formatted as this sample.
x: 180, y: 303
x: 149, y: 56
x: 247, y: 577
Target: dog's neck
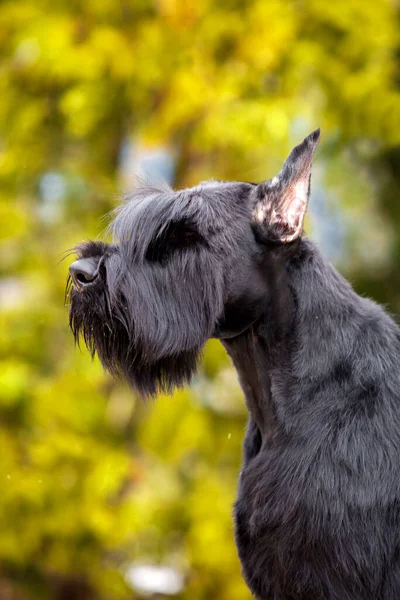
x: 252, y: 357
x: 290, y: 340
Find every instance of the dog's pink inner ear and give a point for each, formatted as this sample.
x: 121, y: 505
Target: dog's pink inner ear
x: 282, y: 201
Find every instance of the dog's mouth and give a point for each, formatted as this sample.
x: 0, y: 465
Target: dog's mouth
x: 85, y: 294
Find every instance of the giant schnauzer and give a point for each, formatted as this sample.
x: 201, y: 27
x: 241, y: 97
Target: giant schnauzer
x: 318, y: 509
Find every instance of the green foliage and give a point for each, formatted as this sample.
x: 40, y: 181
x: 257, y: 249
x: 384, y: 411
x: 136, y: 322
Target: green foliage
x: 92, y: 479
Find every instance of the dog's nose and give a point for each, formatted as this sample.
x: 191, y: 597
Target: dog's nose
x: 84, y: 271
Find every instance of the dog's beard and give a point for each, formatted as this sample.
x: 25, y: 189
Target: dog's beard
x: 105, y: 331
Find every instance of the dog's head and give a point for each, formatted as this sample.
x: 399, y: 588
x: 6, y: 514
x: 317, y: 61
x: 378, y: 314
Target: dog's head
x: 185, y: 266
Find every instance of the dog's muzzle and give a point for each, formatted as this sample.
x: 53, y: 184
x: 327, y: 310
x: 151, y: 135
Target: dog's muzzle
x: 84, y: 271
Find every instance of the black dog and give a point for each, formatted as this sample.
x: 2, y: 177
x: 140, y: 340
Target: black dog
x: 318, y: 510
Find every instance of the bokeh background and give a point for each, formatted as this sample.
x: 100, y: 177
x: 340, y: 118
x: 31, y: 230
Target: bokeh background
x: 104, y: 497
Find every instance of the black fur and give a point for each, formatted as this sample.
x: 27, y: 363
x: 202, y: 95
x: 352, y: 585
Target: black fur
x: 318, y: 509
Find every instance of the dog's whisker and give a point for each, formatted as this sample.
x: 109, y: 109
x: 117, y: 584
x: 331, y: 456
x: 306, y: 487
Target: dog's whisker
x: 66, y: 254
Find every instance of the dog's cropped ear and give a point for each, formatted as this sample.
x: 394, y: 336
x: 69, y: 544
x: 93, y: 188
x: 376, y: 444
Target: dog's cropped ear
x: 282, y: 201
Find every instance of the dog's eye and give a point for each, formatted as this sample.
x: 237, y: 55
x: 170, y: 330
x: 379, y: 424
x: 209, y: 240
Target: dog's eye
x: 175, y: 236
